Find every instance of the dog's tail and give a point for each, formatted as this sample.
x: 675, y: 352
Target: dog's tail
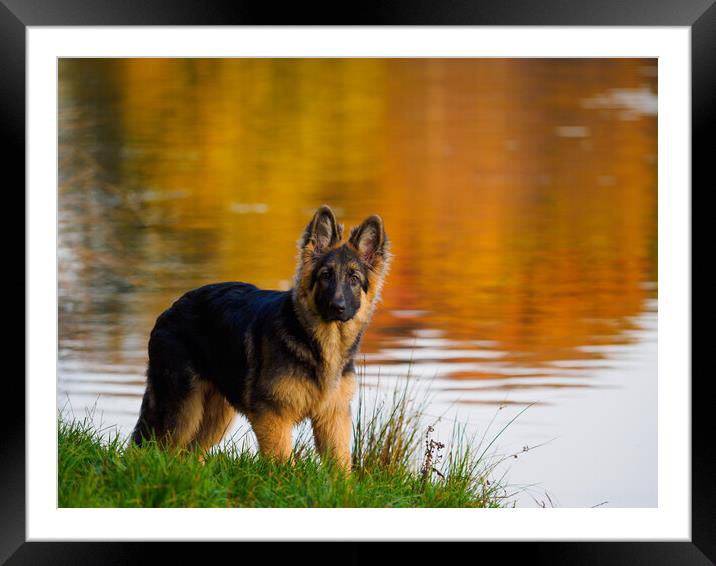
x: 142, y: 431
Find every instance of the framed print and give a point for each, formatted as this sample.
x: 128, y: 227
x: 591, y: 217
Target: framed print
x: 254, y: 245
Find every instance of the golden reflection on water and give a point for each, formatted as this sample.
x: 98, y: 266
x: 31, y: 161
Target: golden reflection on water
x: 520, y: 197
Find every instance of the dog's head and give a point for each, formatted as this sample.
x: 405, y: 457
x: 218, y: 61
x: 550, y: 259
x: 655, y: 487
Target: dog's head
x: 341, y: 280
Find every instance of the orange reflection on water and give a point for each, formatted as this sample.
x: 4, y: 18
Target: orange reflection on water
x: 520, y: 195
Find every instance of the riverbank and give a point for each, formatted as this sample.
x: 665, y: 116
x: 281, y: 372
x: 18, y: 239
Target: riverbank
x: 396, y: 463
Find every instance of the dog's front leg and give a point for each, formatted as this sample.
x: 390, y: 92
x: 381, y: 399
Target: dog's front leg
x: 332, y: 433
x: 332, y: 424
x: 273, y: 432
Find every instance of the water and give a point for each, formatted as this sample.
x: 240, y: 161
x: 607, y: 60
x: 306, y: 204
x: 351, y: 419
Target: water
x: 520, y: 197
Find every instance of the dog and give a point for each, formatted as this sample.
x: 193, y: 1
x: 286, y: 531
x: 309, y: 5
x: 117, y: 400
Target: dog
x: 277, y: 357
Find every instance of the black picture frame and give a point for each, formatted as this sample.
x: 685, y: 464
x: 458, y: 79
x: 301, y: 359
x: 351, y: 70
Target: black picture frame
x: 17, y: 15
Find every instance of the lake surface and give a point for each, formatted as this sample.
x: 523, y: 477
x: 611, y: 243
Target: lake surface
x: 520, y: 197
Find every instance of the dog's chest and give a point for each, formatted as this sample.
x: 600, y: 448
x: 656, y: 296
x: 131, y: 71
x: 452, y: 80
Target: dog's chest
x: 321, y: 391
x: 336, y: 345
x: 303, y: 396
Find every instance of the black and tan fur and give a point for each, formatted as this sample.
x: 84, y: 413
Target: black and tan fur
x: 278, y: 357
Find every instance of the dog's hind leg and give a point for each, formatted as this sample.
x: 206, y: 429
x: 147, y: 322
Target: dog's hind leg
x: 186, y: 421
x: 172, y: 420
x: 172, y: 407
x: 217, y: 418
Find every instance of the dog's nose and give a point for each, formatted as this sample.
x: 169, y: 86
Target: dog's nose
x: 339, y: 305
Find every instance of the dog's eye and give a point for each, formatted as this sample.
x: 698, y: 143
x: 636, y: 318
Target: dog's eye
x: 355, y: 280
x: 326, y: 275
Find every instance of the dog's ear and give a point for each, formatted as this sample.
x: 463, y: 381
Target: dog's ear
x: 369, y: 238
x: 323, y: 231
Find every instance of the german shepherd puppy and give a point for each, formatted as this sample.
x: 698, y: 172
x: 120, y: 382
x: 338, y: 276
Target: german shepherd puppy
x: 277, y: 357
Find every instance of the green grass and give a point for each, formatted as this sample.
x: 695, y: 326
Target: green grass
x: 395, y: 464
